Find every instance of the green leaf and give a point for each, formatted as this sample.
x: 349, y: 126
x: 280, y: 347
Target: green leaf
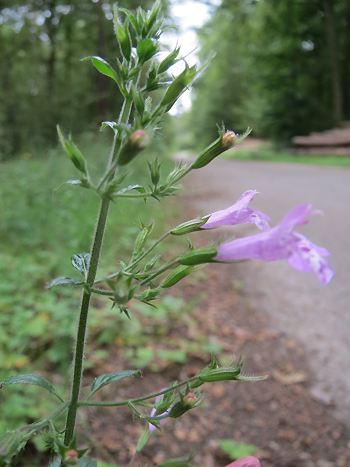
x: 32, y: 379
x: 73, y: 152
x: 236, y: 450
x: 122, y: 34
x: 169, y: 60
x: 132, y: 19
x: 83, y: 182
x: 104, y: 68
x: 179, y: 462
x: 138, y: 188
x: 177, y: 87
x: 143, y: 440
x: 146, y: 49
x: 63, y: 281
x: 12, y: 442
x: 81, y: 262
x: 110, y: 124
x: 108, y: 378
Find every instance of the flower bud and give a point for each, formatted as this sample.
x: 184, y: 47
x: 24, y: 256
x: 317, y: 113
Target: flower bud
x: 219, y: 374
x: 73, y: 152
x: 190, y: 400
x: 228, y: 139
x: 225, y: 141
x: 72, y: 457
x: 189, y: 226
x: 174, y: 277
x: 136, y: 142
x: 198, y: 256
x: 186, y: 403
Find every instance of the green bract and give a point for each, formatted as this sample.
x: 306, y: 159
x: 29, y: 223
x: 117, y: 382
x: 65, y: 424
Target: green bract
x: 189, y: 226
x: 177, y: 87
x: 198, y: 256
x: 73, y: 152
x: 174, y: 277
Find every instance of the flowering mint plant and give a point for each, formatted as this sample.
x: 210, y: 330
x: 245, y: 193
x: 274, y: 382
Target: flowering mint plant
x: 144, y: 276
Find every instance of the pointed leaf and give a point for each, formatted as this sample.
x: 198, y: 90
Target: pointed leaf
x: 132, y: 19
x: 32, y: 379
x: 62, y: 281
x: 73, y: 152
x: 177, y: 87
x: 122, y: 34
x: 11, y: 443
x: 138, y: 188
x: 83, y: 182
x: 81, y: 262
x: 169, y: 60
x: 146, y: 49
x: 143, y: 440
x: 104, y: 68
x: 110, y: 124
x: 108, y: 378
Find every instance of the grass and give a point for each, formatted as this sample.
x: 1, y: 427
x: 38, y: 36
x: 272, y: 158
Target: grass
x: 283, y: 155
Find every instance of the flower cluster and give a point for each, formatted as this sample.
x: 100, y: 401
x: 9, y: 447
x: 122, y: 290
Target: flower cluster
x: 274, y: 243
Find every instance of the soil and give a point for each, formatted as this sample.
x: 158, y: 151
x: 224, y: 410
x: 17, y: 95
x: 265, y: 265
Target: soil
x: 289, y: 426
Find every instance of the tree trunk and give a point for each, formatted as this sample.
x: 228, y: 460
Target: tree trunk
x: 334, y: 65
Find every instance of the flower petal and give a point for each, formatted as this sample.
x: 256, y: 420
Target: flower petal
x: 238, y: 213
x: 269, y: 246
x: 297, y: 216
x: 308, y: 257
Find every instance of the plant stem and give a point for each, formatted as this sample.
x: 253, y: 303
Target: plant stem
x: 84, y: 310
x: 138, y: 399
x: 160, y: 271
x: 94, y: 260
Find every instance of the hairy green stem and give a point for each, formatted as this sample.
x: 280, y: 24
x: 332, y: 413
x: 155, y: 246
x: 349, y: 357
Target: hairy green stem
x: 137, y: 261
x: 159, y: 272
x: 152, y: 395
x: 84, y: 310
x: 94, y: 260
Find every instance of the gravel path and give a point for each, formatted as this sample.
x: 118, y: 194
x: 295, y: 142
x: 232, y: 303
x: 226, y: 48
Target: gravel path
x: 317, y: 316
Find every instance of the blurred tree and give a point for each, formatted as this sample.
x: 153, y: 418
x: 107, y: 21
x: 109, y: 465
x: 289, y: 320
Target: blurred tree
x: 221, y: 93
x: 42, y: 81
x: 282, y: 67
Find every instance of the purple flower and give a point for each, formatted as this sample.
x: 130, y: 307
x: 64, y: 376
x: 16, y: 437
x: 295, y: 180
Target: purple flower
x: 238, y: 213
x: 281, y: 242
x: 249, y: 461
